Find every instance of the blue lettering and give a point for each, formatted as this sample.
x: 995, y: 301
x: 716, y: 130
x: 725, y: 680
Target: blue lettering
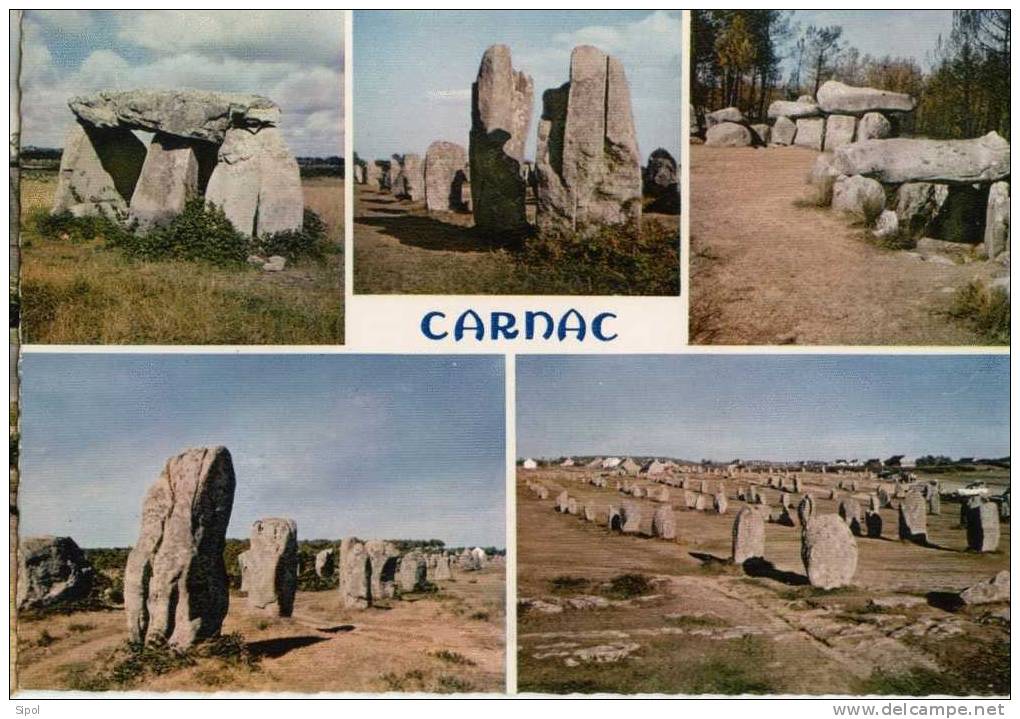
x: 426, y: 326
x: 461, y: 326
x: 596, y: 327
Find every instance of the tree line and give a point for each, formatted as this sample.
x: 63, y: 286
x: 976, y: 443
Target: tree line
x: 749, y: 58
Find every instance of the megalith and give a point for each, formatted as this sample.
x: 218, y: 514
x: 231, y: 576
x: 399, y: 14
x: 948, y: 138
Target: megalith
x: 849, y: 510
x: 631, y: 518
x: 913, y: 518
x: 443, y: 571
x: 325, y: 562
x: 175, y: 580
x: 728, y: 134
x: 412, y: 573
x: 242, y: 567
x: 810, y: 133
x: 444, y: 176
x: 99, y: 169
x: 837, y: 97
x: 839, y: 130
x: 169, y: 178
x: 997, y: 220
x: 273, y: 566
x: 748, y: 536
x: 860, y: 198
x: 51, y: 570
x: 355, y: 586
x: 501, y: 103
x: 784, y: 131
x: 829, y: 552
x: 664, y: 523
x: 983, y: 527
x: 410, y: 183
x: 898, y: 160
x: 587, y: 159
x: 384, y: 559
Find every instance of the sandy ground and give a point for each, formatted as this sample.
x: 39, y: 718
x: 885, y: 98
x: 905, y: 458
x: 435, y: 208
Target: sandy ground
x: 709, y: 628
x: 768, y: 269
x: 320, y: 649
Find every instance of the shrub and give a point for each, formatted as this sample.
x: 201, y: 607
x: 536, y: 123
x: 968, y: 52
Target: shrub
x: 986, y: 309
x: 201, y: 232
x: 310, y: 241
x: 626, y: 586
x: 565, y: 584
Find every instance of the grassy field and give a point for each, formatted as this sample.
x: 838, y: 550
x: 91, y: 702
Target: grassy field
x: 692, y: 623
x: 401, y: 248
x: 447, y: 641
x: 85, y: 293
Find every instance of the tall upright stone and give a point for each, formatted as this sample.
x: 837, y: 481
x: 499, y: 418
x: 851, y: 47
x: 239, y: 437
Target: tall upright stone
x: 444, y: 176
x: 410, y: 183
x: 664, y: 523
x: 273, y: 566
x: 325, y: 563
x: 829, y: 552
x: 748, y: 536
x: 983, y: 527
x: 501, y: 103
x: 175, y: 580
x: 805, y: 509
x: 384, y: 560
x: 913, y: 518
x: 997, y: 220
x: 169, y: 178
x: 412, y: 572
x: 849, y: 510
x: 587, y: 159
x: 355, y: 586
x: 99, y: 170
x: 631, y: 518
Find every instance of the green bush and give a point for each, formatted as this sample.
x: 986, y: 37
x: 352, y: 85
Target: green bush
x: 65, y: 226
x: 627, y: 586
x: 310, y: 241
x: 985, y: 309
x: 201, y: 232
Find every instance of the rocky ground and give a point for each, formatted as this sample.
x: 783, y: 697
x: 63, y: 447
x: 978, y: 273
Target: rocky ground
x: 767, y: 268
x: 692, y: 623
x: 449, y: 641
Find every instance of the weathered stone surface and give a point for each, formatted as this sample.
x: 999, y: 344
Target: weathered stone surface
x: 720, y: 503
x: 98, y: 166
x: 631, y: 518
x: 887, y: 225
x: 359, y: 174
x: 748, y: 536
x: 763, y: 134
x: 784, y: 131
x: 500, y: 114
x: 726, y: 114
x: 899, y: 160
x: 562, y: 500
x: 355, y: 575
x: 273, y: 566
x: 661, y: 182
x: 169, y: 178
x: 374, y: 176
x: 383, y: 559
x: 873, y: 523
x: 243, y: 566
x: 860, y: 198
x: 664, y: 523
x: 805, y: 509
x: 836, y: 97
x: 874, y: 126
x: 411, y: 573
x: 810, y: 133
x: 572, y: 506
x: 615, y: 519
x: 443, y: 571
x: 325, y: 562
x: 913, y: 518
x: 589, y: 511
x: 884, y: 496
x: 829, y: 552
x: 917, y: 206
x: 849, y: 511
x: 587, y: 161
x: 175, y: 580
x: 983, y: 527
x: 703, y: 502
x: 410, y: 182
x: 196, y: 114
x: 51, y: 570
x: 995, y: 589
x: 792, y: 110
x: 690, y: 499
x: 444, y: 176
x: 257, y: 183
x: 821, y: 180
x: 839, y: 131
x: 997, y: 220
x: 728, y: 134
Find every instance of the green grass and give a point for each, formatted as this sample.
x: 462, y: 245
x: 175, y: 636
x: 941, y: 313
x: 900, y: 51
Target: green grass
x: 984, y: 309
x: 913, y: 682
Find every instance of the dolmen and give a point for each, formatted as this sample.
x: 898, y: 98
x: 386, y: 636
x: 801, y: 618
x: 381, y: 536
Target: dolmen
x: 225, y: 147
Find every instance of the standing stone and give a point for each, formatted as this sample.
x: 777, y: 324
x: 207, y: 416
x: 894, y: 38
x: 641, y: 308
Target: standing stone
x: 983, y: 527
x: 257, y: 183
x: 898, y: 160
x: 763, y: 134
x: 836, y: 97
x: 860, y: 198
x: 934, y: 501
x: 383, y: 558
x: 444, y: 176
x: 99, y: 169
x: 325, y: 563
x: 748, y: 536
x: 839, y: 131
x: 615, y: 519
x: 664, y: 523
x: 355, y: 586
x: 913, y: 524
x: 884, y: 498
x: 175, y: 580
x: 631, y: 518
x: 918, y: 204
x: 873, y: 523
x: 51, y: 570
x: 572, y: 506
x: 410, y: 182
x: 169, y: 178
x: 273, y: 566
x: 562, y: 501
x: 703, y: 502
x: 588, y: 164
x: 359, y: 174
x: 720, y: 503
x: 810, y: 133
x: 873, y: 126
x: 784, y: 131
x: 690, y: 499
x: 443, y: 572
x: 243, y: 565
x: 850, y: 512
x: 997, y: 220
x: 887, y: 225
x: 501, y: 102
x: 829, y: 552
x: 589, y: 511
x: 728, y: 134
x: 805, y: 509
x: 411, y: 573
x: 373, y: 176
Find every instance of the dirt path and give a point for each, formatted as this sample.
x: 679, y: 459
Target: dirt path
x: 766, y: 269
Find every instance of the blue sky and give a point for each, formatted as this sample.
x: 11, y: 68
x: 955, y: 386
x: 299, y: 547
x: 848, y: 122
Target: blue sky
x: 413, y: 70
x: 373, y: 446
x: 293, y: 57
x: 778, y: 407
x: 900, y: 33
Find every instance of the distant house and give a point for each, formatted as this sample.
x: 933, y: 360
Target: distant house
x: 611, y: 462
x: 530, y: 464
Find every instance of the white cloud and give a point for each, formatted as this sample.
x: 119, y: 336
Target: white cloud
x: 458, y: 95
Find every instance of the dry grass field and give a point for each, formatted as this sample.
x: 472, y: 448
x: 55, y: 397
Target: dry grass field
x: 444, y: 642
x: 401, y: 248
x: 80, y: 292
x: 606, y: 612
x: 766, y: 268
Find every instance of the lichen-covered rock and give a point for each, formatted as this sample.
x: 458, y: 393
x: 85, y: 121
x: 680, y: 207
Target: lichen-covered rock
x: 410, y: 182
x: 169, y: 178
x: 98, y: 167
x: 411, y: 573
x: 898, y: 160
x: 444, y: 176
x: 829, y: 552
x: 887, y: 226
x: 748, y: 536
x: 997, y: 220
x: 383, y: 560
x: 874, y: 126
x: 839, y: 130
x: 763, y: 134
x: 175, y: 580
x: 355, y: 575
x: 821, y: 180
x: 51, y: 571
x: 272, y: 566
x: 837, y: 97
x: 325, y: 563
x: 849, y: 510
x: 913, y: 518
x: 631, y: 512
x: 726, y: 114
x: 728, y: 134
x: 860, y: 198
x: 810, y: 133
x: 587, y: 161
